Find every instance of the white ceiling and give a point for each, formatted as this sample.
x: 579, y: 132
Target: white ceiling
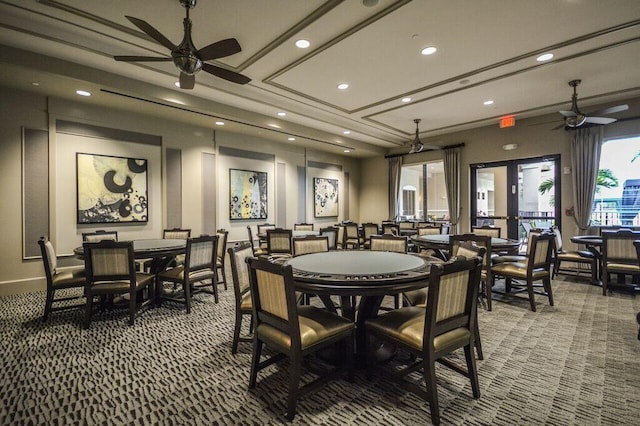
x: 487, y: 49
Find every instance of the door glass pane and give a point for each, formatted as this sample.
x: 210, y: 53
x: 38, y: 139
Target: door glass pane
x: 536, y: 200
x: 491, y: 197
x: 437, y: 205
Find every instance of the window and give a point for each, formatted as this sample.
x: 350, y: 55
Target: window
x: 617, y: 198
x: 423, y: 190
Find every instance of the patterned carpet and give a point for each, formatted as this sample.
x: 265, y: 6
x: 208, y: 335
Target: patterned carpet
x: 573, y: 364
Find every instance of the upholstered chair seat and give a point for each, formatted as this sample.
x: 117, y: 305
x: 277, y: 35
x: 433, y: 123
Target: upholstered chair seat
x: 69, y: 279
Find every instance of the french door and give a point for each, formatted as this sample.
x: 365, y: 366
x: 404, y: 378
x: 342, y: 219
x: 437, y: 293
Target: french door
x: 516, y: 195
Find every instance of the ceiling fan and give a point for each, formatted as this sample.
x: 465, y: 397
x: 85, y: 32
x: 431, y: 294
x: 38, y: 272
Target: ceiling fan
x: 416, y: 144
x: 185, y: 56
x: 574, y: 118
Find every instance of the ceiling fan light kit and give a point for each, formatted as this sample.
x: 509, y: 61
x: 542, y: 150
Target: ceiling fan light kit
x: 187, y: 59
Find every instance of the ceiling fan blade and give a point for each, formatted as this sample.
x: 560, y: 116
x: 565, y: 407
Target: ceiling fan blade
x: 142, y: 58
x: 152, y: 32
x: 187, y: 81
x: 568, y: 113
x: 599, y: 120
x: 219, y: 49
x: 231, y: 76
x: 611, y: 110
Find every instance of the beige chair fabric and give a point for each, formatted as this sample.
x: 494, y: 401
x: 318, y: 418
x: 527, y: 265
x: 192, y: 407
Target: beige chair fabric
x: 618, y: 256
x: 310, y: 244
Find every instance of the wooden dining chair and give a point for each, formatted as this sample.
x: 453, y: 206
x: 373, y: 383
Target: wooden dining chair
x: 490, y: 231
x: 196, y: 275
x: 352, y: 237
x: 369, y: 229
x: 291, y: 330
x: 99, y: 235
x: 310, y: 244
x: 331, y: 232
x: 580, y: 257
x: 446, y: 325
x: 303, y: 226
x: 59, y: 281
x: 111, y: 270
x: 279, y: 242
x: 257, y: 250
x: 391, y: 228
x: 238, y: 256
x: 221, y: 274
x: 618, y: 256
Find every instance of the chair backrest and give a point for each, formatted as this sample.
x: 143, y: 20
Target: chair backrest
x: 540, y: 250
x: 369, y: 229
x: 405, y: 224
x: 303, y: 226
x: 391, y: 228
x: 274, y: 298
x: 279, y: 241
x: 331, y: 232
x: 617, y: 246
x: 457, y: 247
x: 491, y: 231
x: 428, y: 230
x: 251, y: 238
x: 262, y: 229
x: 176, y: 234
x: 222, y: 245
x: 100, y: 235
x: 200, y: 255
x: 388, y: 242
x: 49, y: 259
x: 445, y: 228
x: 558, y: 238
x: 109, y: 260
x: 310, y: 244
x: 238, y: 256
x: 451, y: 299
x: 637, y: 244
x: 340, y: 239
x: 351, y: 230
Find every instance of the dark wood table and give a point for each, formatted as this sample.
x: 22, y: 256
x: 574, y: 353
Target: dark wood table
x: 439, y: 242
x: 369, y: 274
x: 161, y: 251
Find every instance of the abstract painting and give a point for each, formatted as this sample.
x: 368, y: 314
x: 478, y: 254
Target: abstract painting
x: 248, y: 194
x: 111, y: 189
x: 325, y: 196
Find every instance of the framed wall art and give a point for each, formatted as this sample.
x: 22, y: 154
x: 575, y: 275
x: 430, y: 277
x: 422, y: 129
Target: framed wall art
x: 325, y: 197
x: 248, y: 194
x: 111, y: 189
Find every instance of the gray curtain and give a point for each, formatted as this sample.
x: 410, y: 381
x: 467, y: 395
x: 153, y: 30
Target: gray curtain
x: 452, y: 182
x: 585, y: 161
x: 395, y: 168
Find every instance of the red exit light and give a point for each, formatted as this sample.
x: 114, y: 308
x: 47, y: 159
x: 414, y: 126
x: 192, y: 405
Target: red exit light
x: 509, y: 121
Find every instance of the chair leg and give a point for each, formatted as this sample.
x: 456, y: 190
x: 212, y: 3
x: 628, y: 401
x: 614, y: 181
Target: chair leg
x: 472, y: 370
x: 255, y: 361
x: 547, y: 286
x: 186, y: 286
x: 432, y: 390
x: 214, y: 285
x: 132, y: 306
x: 488, y: 285
x: 294, y: 382
x: 224, y: 276
x: 532, y: 299
x: 47, y: 305
x: 236, y: 332
x: 88, y: 311
x: 478, y: 343
x: 349, y: 347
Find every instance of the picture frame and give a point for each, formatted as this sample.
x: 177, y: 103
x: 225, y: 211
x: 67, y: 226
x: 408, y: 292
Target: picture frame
x: 247, y: 194
x: 325, y: 197
x: 111, y: 189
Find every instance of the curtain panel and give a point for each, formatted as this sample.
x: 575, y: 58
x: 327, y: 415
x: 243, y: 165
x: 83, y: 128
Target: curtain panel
x: 586, y: 145
x: 452, y: 182
x: 395, y: 168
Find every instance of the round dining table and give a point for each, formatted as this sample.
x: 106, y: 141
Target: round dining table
x: 368, y: 274
x: 439, y: 242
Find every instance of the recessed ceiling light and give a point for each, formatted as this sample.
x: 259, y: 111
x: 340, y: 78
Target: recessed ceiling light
x: 369, y: 3
x: 219, y: 123
x: 510, y: 146
x: 291, y: 139
x: 343, y: 86
x: 405, y: 100
x: 465, y: 81
x: 35, y: 83
x: 177, y: 84
x: 282, y: 113
x: 347, y: 150
x: 83, y: 93
x: 303, y: 44
x: 346, y: 132
x: 545, y: 57
x: 429, y: 50
x: 488, y: 102
x: 275, y: 126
